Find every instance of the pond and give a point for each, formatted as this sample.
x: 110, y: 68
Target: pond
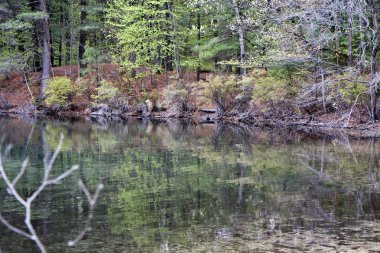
x: 176, y: 187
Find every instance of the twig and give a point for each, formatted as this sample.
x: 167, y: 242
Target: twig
x: 13, y: 228
x: 92, y: 201
x: 48, y: 164
x: 352, y: 108
x: 29, y: 138
x: 21, y: 173
x: 27, y: 85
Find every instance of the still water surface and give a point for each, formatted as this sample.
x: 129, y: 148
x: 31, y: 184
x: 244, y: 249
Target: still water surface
x: 173, y: 187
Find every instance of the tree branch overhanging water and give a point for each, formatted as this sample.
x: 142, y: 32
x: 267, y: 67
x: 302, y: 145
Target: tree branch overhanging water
x: 46, y: 181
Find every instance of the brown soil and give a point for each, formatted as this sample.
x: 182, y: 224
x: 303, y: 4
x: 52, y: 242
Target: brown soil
x: 14, y: 87
x: 15, y: 90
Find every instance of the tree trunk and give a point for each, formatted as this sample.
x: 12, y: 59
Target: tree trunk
x: 199, y: 39
x: 176, y: 57
x: 375, y: 48
x: 349, y: 32
x: 52, y: 50
x: 46, y: 63
x: 61, y: 43
x: 132, y: 58
x: 11, y: 6
x: 241, y: 37
x: 36, y: 40
x: 336, y: 30
x: 375, y: 45
x: 169, y: 58
x: 82, y: 35
x: 166, y: 71
x: 363, y: 45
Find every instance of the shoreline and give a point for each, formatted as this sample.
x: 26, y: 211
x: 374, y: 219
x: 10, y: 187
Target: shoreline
x: 307, y: 126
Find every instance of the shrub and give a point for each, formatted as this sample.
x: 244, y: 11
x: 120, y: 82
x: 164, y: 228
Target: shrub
x: 270, y: 89
x: 350, y: 87
x: 82, y: 87
x: 106, y: 92
x: 58, y: 90
x: 277, y: 84
x: 176, y: 95
x: 227, y: 92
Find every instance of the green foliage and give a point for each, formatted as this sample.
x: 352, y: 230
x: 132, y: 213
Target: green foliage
x: 82, y: 87
x: 276, y: 84
x: 269, y: 89
x: 350, y: 87
x: 52, y: 134
x: 32, y: 16
x: 58, y: 91
x: 148, y: 33
x: 150, y: 36
x: 137, y: 26
x: 93, y: 55
x: 14, y: 25
x: 175, y: 94
x: 13, y: 63
x: 218, y: 48
x: 225, y: 91
x: 106, y: 92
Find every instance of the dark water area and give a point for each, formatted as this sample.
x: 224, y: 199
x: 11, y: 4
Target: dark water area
x: 175, y: 187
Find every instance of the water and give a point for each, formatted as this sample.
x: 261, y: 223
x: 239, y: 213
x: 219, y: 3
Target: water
x: 173, y: 187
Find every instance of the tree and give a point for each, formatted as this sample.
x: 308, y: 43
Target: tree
x: 82, y: 34
x: 241, y: 37
x: 148, y: 33
x: 18, y: 49
x: 46, y: 60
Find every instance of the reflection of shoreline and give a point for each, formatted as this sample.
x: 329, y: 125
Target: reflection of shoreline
x: 169, y: 181
x: 271, y: 135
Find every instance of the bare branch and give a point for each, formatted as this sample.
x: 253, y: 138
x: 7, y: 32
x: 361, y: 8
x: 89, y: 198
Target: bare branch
x: 48, y: 165
x: 67, y: 173
x: 92, y: 201
x: 21, y: 173
x: 13, y: 228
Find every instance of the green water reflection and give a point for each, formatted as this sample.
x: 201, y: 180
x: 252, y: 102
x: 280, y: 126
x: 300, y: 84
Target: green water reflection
x: 174, y: 187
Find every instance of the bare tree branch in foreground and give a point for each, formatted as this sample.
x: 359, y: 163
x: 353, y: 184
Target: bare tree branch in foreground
x: 92, y: 201
x: 46, y: 181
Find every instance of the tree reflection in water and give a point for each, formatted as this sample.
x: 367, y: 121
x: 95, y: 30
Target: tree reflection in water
x: 27, y: 202
x: 176, y: 187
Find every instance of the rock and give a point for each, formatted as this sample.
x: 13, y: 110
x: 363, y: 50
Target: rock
x: 174, y: 111
x: 161, y: 106
x: 140, y: 107
x: 25, y: 109
x: 207, y: 120
x: 149, y: 105
x: 124, y: 108
x: 328, y: 245
x: 116, y: 112
x: 101, y: 110
x: 143, y: 109
x: 206, y: 110
x: 98, y: 107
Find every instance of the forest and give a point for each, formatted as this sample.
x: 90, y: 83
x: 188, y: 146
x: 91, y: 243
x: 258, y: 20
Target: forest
x: 258, y: 61
x: 189, y: 126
